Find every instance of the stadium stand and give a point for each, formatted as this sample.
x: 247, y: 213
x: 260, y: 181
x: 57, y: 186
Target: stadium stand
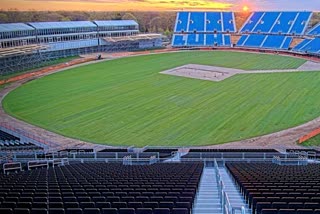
x: 203, y: 29
x: 262, y: 30
x: 309, y: 46
x: 265, y: 41
x: 273, y: 189
x: 102, y: 188
x: 315, y: 31
x: 33, y: 43
x: 9, y: 142
x: 288, y: 23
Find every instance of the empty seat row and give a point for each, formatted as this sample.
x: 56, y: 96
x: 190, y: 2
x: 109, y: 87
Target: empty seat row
x: 93, y: 211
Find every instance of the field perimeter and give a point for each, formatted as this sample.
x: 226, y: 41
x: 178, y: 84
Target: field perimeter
x: 127, y: 102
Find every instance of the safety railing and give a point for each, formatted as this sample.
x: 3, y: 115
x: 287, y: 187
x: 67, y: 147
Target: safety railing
x: 300, y: 160
x: 226, y: 205
x: 11, y: 167
x: 47, y: 163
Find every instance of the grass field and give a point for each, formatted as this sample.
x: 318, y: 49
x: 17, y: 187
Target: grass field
x: 127, y: 102
x: 315, y: 141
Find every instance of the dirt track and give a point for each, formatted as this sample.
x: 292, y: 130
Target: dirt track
x: 279, y: 140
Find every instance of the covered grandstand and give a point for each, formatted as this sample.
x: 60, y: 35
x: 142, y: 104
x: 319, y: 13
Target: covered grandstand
x: 27, y: 45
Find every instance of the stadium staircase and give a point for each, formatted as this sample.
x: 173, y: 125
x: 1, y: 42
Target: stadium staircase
x: 235, y: 197
x: 207, y: 199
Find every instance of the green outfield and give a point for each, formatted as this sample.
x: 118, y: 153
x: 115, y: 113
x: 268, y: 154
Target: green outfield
x: 127, y: 102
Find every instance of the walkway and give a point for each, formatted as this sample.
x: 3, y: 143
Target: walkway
x: 207, y: 200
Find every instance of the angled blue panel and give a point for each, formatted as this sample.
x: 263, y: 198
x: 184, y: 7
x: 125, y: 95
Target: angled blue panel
x: 196, y: 22
x: 254, y: 40
x: 287, y: 42
x: 214, y: 22
x: 227, y: 40
x: 214, y: 40
x: 313, y: 46
x: 182, y: 21
x: 251, y: 23
x: 300, y: 23
x: 285, y: 22
x: 242, y: 40
x: 195, y: 40
x: 273, y: 42
x: 228, y: 22
x: 315, y: 31
x: 209, y: 40
x: 299, y: 46
x: 178, y: 40
x: 267, y: 22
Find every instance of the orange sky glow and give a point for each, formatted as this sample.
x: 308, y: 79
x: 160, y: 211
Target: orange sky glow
x: 115, y: 5
x: 159, y: 5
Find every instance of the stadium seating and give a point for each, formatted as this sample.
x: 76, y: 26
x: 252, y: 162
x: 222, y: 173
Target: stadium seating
x: 315, y: 31
x: 277, y: 22
x: 203, y: 29
x: 9, y: 142
x: 265, y: 41
x: 309, y: 46
x: 274, y: 189
x: 102, y: 188
x: 198, y: 40
x: 209, y: 22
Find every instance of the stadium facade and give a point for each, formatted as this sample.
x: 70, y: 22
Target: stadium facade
x: 24, y: 45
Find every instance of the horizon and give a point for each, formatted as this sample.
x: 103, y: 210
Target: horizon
x: 160, y: 5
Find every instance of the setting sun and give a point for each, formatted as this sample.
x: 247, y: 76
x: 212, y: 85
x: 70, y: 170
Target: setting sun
x: 245, y: 8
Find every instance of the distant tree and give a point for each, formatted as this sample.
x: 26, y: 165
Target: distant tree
x: 3, y: 18
x: 117, y: 16
x: 129, y: 16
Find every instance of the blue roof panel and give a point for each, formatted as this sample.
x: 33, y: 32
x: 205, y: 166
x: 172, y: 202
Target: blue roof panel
x: 14, y: 27
x: 59, y: 25
x: 105, y: 23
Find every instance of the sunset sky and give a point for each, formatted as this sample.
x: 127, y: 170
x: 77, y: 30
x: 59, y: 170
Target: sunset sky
x: 159, y: 5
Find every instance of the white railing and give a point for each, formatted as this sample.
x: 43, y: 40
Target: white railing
x: 11, y: 167
x: 46, y: 163
x: 224, y: 198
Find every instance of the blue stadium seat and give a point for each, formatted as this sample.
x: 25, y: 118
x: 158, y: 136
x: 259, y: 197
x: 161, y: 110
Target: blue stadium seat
x: 300, y: 23
x: 214, y: 22
x: 182, y: 21
x: 196, y: 22
x: 284, y: 22
x: 266, y: 22
x: 228, y: 23
x: 277, y: 22
x: 179, y: 40
x: 315, y: 31
x: 252, y: 22
x: 195, y: 40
